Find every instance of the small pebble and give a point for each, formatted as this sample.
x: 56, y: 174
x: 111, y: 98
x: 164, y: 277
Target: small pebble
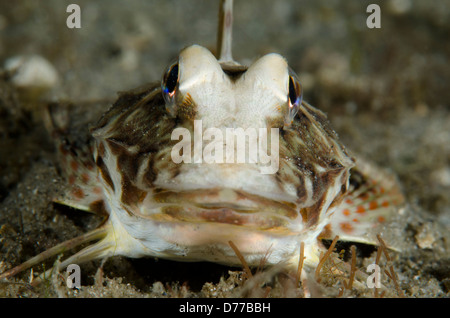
x: 31, y: 71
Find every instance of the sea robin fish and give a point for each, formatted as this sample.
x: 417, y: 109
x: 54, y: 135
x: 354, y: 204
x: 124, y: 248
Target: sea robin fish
x: 192, y: 211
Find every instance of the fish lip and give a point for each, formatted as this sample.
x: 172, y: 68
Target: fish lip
x: 211, y: 198
x: 220, y: 205
x: 226, y: 205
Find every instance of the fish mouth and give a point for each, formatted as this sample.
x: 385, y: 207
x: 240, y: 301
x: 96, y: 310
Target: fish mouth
x: 221, y: 205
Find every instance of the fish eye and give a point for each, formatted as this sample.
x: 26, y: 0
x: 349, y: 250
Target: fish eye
x: 169, y: 86
x: 294, y: 98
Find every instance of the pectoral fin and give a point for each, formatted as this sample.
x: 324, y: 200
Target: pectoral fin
x: 373, y: 202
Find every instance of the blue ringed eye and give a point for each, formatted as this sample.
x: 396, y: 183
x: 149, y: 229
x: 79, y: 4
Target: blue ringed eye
x: 294, y: 98
x: 170, y: 80
x: 293, y: 94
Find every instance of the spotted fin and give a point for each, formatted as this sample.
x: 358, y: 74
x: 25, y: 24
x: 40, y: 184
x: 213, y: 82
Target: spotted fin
x: 372, y: 202
x: 75, y: 160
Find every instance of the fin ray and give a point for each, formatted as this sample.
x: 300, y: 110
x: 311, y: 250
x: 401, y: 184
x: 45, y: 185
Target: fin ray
x: 75, y: 160
x: 374, y: 198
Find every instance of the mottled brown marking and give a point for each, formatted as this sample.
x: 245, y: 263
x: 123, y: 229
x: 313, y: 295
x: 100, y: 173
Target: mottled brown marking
x: 357, y: 179
x: 326, y: 233
x: 74, y: 165
x: 85, y: 177
x: 323, y: 181
x: 149, y: 175
x: 78, y: 193
x: 304, y: 214
x: 314, y: 211
x: 363, y: 196
x: 188, y: 108
x: 72, y: 179
x: 97, y: 190
x: 125, y: 101
x: 301, y: 190
x: 346, y: 227
x: 344, y: 185
x: 131, y: 195
x: 339, y: 197
x: 136, y: 128
x: 63, y: 150
x: 298, y: 180
x: 98, y: 207
x: 360, y: 209
x: 104, y: 172
x: 129, y: 212
x: 127, y: 163
x: 310, y: 142
x: 373, y: 205
x: 337, y: 201
x: 101, y: 150
x: 115, y: 147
